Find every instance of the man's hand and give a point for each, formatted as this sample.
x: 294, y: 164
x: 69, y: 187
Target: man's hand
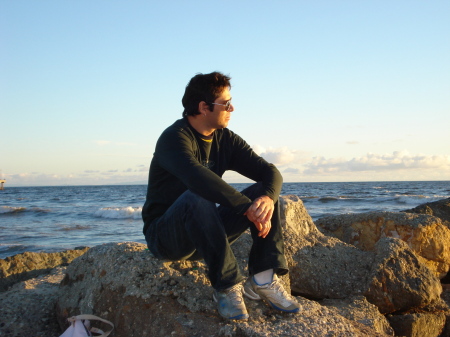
x: 260, y: 213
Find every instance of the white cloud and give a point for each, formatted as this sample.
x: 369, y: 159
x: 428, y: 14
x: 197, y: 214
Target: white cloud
x: 142, y: 168
x: 398, y: 160
x: 277, y: 156
x: 88, y: 177
x: 294, y: 165
x: 292, y: 170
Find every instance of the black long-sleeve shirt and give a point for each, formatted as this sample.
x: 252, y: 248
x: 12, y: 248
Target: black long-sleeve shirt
x: 179, y: 164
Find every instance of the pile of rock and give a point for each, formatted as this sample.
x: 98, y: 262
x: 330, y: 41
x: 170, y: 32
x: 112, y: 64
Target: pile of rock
x: 29, y: 284
x: 372, y: 274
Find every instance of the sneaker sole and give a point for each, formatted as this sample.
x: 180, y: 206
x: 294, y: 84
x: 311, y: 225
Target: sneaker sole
x: 239, y: 317
x: 284, y: 310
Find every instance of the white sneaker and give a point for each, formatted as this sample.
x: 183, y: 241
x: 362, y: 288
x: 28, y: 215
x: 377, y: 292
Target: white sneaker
x: 273, y: 292
x: 231, y: 302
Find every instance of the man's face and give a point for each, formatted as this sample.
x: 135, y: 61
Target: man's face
x: 219, y: 117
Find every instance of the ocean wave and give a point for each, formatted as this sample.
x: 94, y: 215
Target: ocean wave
x: 303, y: 197
x: 13, y: 210
x: 328, y: 199
x: 10, y: 209
x: 74, y: 228
x: 414, y: 199
x: 119, y: 212
x: 345, y: 198
x: 414, y: 196
x: 11, y: 249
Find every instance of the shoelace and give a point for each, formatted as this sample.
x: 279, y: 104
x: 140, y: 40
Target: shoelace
x: 276, y: 285
x: 235, y: 294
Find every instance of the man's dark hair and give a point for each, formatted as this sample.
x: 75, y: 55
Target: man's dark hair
x: 203, y: 87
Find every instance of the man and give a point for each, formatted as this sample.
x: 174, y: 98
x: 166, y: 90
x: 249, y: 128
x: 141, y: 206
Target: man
x: 181, y: 216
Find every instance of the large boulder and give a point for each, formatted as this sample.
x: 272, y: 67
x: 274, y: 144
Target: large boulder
x: 27, y: 308
x: 424, y: 324
x: 440, y: 209
x: 144, y: 296
x: 426, y: 235
x: 29, y: 265
x: 390, y: 276
x: 398, y: 281
x: 360, y: 310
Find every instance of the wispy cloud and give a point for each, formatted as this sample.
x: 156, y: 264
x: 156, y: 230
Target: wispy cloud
x: 292, y: 170
x: 87, y: 177
x: 398, y: 160
x: 277, y: 156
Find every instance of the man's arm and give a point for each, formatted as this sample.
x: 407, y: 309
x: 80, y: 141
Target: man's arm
x: 246, y: 162
x: 175, y: 153
x: 249, y: 164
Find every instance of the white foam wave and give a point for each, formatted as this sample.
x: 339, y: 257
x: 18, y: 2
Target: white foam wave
x: 10, y: 209
x: 413, y: 199
x: 119, y: 212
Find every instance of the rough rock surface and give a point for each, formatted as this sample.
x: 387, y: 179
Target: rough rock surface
x: 418, y: 324
x: 426, y: 235
x: 398, y: 281
x: 360, y: 310
x: 440, y: 209
x: 27, y: 309
x: 143, y: 296
x: 146, y: 297
x: 390, y: 276
x: 29, y: 265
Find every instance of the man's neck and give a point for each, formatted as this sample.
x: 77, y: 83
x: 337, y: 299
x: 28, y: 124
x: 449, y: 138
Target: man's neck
x: 200, y: 125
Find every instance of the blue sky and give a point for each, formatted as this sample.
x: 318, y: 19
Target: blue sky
x: 326, y: 90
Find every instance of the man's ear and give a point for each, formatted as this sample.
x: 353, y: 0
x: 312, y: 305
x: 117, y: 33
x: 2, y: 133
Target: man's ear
x: 203, y: 107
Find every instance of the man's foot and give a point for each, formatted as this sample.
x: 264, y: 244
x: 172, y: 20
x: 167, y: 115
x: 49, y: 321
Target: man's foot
x: 231, y: 302
x: 273, y: 292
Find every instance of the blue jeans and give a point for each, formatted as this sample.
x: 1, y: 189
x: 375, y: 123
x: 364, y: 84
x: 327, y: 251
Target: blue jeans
x: 194, y: 228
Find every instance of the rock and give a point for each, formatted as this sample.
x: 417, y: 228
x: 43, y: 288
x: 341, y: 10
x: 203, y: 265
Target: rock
x: 325, y: 267
x: 360, y: 310
x: 143, y: 296
x: 398, y: 281
x: 440, y: 209
x: 426, y: 235
x: 418, y: 325
x: 29, y: 265
x: 390, y: 275
x: 28, y: 307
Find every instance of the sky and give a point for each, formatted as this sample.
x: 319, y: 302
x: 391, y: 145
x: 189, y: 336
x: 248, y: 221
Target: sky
x: 326, y: 90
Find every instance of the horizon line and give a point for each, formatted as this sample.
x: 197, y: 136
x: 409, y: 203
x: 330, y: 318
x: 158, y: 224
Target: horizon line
x: 231, y: 183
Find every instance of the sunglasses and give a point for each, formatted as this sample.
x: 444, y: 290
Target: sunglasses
x: 227, y: 105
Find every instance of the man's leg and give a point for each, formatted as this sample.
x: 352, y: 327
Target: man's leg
x: 192, y: 226
x: 266, y: 257
x: 266, y: 253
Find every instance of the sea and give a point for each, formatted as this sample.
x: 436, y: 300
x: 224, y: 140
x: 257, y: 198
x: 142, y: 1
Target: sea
x: 56, y: 218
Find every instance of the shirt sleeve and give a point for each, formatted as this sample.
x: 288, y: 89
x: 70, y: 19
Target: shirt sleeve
x: 246, y: 162
x: 175, y: 153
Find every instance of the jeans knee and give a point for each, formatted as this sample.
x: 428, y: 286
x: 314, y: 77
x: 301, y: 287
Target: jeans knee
x: 197, y: 203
